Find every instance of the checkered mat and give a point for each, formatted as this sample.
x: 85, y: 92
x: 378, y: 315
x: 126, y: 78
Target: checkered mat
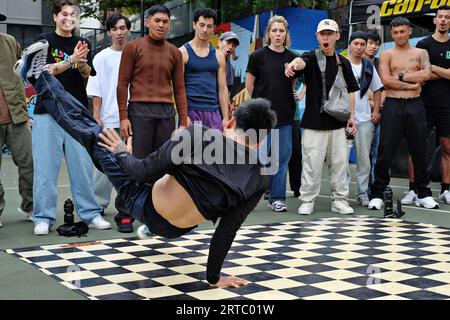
x: 336, y: 258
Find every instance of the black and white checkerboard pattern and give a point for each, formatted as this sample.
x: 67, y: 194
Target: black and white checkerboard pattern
x: 335, y: 258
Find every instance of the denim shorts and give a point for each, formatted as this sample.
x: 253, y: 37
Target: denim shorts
x: 157, y: 224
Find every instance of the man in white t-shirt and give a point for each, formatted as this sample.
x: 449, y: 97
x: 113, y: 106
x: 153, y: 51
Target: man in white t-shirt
x: 365, y: 118
x: 102, y: 89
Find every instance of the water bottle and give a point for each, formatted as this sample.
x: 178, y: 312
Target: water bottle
x: 68, y: 212
x: 388, y: 203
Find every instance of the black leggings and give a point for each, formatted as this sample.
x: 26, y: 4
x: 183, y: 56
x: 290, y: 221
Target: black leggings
x: 402, y: 117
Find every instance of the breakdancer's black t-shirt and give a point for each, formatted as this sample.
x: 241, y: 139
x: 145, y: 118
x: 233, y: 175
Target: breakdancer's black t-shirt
x: 223, y: 178
x: 60, y: 49
x: 436, y: 93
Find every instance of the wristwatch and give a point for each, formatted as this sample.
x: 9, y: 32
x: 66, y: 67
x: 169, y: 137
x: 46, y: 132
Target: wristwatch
x: 400, y: 76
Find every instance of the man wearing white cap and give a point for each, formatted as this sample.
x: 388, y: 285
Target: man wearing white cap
x: 228, y: 43
x: 324, y: 137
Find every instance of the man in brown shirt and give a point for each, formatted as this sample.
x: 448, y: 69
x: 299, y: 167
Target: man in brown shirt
x: 152, y: 69
x: 15, y: 131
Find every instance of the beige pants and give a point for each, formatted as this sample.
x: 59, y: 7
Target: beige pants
x: 318, y: 145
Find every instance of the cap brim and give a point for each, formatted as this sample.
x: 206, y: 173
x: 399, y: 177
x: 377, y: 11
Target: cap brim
x: 2, y: 17
x: 229, y: 39
x: 327, y: 29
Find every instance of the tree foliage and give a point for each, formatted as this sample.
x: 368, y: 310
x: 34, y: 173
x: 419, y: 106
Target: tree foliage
x: 228, y: 9
x: 98, y: 9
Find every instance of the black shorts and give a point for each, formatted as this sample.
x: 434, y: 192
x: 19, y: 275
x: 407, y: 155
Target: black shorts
x: 439, y: 118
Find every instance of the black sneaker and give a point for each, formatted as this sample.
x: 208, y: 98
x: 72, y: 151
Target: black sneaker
x: 124, y: 224
x: 34, y: 59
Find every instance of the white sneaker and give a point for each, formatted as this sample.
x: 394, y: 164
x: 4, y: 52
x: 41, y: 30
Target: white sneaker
x: 27, y: 214
x: 144, y: 233
x: 34, y: 59
x: 375, y: 204
x: 277, y: 206
x: 342, y: 207
x: 99, y: 223
x: 409, y: 198
x: 445, y: 197
x: 41, y: 229
x: 427, y: 203
x: 1, y: 224
x: 306, y: 208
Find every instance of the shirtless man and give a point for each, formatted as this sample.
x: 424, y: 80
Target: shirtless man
x: 174, y: 189
x: 204, y: 74
x: 403, y: 71
x: 436, y: 96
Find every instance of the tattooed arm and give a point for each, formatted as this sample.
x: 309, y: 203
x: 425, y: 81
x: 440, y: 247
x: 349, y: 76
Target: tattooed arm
x: 84, y: 69
x: 389, y: 81
x: 60, y: 67
x: 424, y: 73
x: 78, y: 57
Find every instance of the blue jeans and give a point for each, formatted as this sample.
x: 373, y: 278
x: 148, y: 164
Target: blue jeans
x: 374, y: 153
x: 277, y: 188
x: 73, y: 117
x: 50, y: 142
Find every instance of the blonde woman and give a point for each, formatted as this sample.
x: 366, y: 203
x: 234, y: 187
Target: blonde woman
x: 266, y: 79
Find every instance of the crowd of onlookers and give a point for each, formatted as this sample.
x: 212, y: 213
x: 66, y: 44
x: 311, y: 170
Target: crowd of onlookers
x: 140, y: 87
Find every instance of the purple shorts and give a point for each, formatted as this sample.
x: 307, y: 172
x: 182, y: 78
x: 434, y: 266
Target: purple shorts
x: 211, y: 119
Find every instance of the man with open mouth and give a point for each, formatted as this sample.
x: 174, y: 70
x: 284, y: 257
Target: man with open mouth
x: 323, y: 135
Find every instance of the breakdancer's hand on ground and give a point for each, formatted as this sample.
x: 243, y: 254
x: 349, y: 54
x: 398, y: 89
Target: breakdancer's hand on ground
x: 233, y: 282
x: 112, y: 141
